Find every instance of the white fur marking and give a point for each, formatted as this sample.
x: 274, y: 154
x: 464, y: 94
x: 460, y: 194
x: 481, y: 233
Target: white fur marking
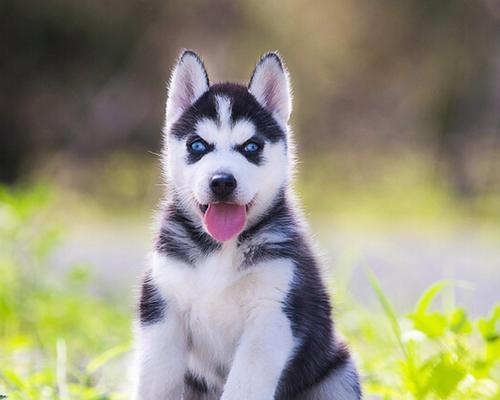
x: 223, y: 106
x: 161, y: 359
x: 234, y: 317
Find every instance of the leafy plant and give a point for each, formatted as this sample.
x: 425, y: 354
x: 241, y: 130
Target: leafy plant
x: 55, y: 334
x: 58, y: 340
x: 443, y: 353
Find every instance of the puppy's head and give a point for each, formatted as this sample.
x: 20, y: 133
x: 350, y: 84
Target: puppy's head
x: 227, y: 152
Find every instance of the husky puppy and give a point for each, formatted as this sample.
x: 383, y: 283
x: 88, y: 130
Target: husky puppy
x: 234, y: 306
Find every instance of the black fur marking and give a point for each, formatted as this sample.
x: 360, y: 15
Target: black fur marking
x: 256, y: 156
x: 181, y: 238
x: 192, y: 156
x: 244, y: 106
x: 263, y: 252
x: 308, y: 307
x: 204, y: 107
x: 277, y: 213
x: 196, y: 382
x: 307, y: 304
x: 278, y: 220
x: 152, y: 306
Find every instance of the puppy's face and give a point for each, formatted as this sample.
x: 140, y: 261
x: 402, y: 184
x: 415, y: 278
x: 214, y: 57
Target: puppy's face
x: 227, y: 144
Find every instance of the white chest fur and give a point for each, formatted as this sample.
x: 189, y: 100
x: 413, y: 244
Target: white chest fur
x: 215, y: 299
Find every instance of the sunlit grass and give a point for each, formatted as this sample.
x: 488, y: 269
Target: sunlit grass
x: 55, y: 334
x: 59, y: 340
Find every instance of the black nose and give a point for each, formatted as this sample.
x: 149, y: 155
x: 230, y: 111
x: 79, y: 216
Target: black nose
x: 222, y: 185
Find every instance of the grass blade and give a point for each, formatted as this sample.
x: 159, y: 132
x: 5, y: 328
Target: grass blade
x: 387, y: 308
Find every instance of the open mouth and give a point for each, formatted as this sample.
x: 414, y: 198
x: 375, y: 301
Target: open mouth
x: 224, y: 221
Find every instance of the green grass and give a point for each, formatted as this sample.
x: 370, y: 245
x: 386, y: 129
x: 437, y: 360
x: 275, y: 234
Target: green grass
x: 436, y: 354
x: 56, y: 336
x: 60, y: 340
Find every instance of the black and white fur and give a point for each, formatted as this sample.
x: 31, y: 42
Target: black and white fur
x: 249, y: 318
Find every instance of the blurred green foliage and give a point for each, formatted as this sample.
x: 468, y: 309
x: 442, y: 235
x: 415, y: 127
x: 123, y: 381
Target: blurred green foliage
x: 58, y: 340
x: 404, y: 188
x: 435, y: 354
x: 55, y: 334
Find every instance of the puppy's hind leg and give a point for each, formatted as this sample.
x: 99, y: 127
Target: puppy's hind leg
x: 341, y: 384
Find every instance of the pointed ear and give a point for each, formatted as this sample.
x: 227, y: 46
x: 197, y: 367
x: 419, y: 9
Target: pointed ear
x: 188, y: 82
x: 271, y: 86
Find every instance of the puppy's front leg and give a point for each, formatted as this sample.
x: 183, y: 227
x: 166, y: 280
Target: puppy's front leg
x: 264, y: 349
x: 161, y: 348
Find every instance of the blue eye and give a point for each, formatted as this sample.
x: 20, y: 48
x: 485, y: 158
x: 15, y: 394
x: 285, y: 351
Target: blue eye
x: 251, y: 147
x: 198, y: 146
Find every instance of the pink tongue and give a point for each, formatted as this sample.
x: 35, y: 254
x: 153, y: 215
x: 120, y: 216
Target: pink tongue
x: 224, y: 220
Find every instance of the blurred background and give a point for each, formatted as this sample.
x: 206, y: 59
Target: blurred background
x: 396, y: 115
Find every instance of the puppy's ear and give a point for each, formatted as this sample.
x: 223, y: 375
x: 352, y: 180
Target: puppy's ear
x: 188, y: 82
x: 271, y: 86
